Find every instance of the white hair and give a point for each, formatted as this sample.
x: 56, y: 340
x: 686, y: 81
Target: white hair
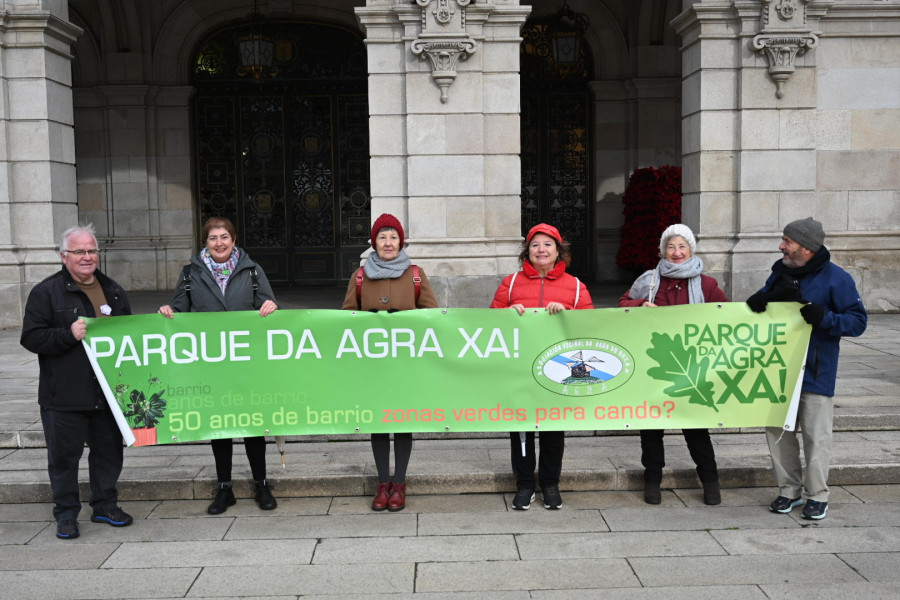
x: 681, y: 230
x: 77, y: 230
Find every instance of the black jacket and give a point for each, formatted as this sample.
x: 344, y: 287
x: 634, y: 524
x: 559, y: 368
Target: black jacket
x: 67, y: 381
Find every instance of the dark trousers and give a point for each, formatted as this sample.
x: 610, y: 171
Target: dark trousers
x: 66, y: 433
x: 256, y: 455
x: 552, y: 446
x: 653, y: 455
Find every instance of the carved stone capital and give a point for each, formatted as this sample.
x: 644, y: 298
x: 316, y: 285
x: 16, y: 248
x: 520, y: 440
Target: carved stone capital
x: 443, y: 39
x: 444, y: 55
x: 781, y: 49
x: 783, y: 37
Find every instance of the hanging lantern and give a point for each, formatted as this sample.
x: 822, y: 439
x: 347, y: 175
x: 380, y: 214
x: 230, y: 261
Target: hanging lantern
x: 567, y: 29
x: 256, y: 50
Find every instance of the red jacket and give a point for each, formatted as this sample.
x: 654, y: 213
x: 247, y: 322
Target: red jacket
x: 673, y: 292
x: 533, y: 291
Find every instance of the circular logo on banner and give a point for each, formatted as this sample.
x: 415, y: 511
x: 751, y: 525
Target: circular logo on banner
x: 583, y: 367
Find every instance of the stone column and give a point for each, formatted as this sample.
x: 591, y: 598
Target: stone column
x: 749, y: 122
x: 444, y: 136
x: 37, y: 150
x: 134, y: 179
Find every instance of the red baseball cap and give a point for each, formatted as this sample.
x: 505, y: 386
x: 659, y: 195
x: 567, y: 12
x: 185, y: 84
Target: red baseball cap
x: 545, y: 229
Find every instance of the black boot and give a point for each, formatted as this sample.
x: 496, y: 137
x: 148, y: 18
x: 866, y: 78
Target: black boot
x: 652, y: 493
x: 224, y: 499
x: 264, y: 495
x: 711, y: 494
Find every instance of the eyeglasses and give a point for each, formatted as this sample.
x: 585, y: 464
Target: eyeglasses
x: 80, y: 253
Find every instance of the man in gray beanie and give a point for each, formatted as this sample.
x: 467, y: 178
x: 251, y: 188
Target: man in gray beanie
x: 831, y: 305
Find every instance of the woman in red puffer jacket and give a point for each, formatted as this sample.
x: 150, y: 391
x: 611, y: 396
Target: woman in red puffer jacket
x: 542, y: 283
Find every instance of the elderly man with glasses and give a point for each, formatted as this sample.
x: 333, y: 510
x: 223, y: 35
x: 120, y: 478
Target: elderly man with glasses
x: 73, y: 408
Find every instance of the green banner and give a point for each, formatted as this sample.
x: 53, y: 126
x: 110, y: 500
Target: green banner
x: 233, y: 374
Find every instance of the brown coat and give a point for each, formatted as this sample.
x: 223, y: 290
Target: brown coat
x: 387, y: 294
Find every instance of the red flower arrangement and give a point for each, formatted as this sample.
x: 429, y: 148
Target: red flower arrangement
x: 652, y: 202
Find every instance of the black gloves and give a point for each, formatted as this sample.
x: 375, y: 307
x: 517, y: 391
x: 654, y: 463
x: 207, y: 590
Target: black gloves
x: 758, y: 301
x: 812, y: 313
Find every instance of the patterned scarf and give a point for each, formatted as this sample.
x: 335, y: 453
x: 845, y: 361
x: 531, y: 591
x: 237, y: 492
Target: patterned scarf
x: 221, y: 272
x: 647, y: 284
x: 376, y: 268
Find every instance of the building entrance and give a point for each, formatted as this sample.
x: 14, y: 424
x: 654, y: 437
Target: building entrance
x: 287, y: 158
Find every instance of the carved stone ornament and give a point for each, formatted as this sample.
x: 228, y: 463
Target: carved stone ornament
x: 443, y: 39
x: 784, y: 36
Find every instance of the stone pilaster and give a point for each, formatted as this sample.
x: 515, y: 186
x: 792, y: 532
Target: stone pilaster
x: 37, y: 150
x: 445, y: 150
x: 134, y: 180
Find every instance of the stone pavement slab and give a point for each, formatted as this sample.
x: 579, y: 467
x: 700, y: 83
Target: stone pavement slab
x: 613, y: 544
x: 99, y: 584
x: 712, y: 592
x: 716, y: 570
x: 833, y: 591
x: 216, y: 553
x: 418, y: 549
x: 532, y: 575
x: 811, y: 541
x: 333, y: 580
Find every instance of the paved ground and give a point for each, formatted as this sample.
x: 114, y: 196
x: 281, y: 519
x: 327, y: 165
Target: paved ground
x: 458, y: 537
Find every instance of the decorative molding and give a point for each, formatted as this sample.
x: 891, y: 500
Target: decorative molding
x: 784, y: 35
x: 443, y: 40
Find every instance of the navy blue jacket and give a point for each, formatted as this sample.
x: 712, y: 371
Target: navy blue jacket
x: 832, y: 288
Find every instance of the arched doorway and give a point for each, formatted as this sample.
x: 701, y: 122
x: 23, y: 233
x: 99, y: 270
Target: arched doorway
x: 556, y: 174
x: 287, y: 159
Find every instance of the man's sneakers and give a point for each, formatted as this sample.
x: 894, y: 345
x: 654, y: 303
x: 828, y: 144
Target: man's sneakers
x: 67, y: 530
x: 552, y: 499
x: 523, y: 500
x: 784, y: 505
x: 814, y: 510
x: 525, y: 497
x: 114, y: 516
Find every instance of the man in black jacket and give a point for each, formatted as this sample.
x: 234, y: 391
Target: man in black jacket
x: 73, y: 408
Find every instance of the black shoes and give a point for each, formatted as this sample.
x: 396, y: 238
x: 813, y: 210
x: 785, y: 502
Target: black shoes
x: 523, y: 499
x: 224, y: 499
x: 67, y: 530
x: 264, y: 495
x: 552, y: 499
x: 652, y: 493
x: 114, y: 516
x: 711, y: 494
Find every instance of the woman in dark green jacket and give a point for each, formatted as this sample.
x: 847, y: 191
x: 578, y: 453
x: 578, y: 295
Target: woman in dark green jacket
x: 221, y: 278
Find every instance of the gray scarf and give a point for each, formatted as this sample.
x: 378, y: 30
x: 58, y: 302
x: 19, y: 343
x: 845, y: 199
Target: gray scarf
x: 376, y: 268
x: 647, y: 284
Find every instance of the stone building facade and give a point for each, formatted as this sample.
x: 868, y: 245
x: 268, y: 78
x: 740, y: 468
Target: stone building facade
x: 455, y: 116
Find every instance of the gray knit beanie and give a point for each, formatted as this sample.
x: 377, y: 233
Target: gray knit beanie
x: 807, y: 232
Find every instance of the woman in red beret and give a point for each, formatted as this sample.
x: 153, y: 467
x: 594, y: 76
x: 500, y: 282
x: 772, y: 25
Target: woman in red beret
x: 388, y: 281
x: 542, y: 283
